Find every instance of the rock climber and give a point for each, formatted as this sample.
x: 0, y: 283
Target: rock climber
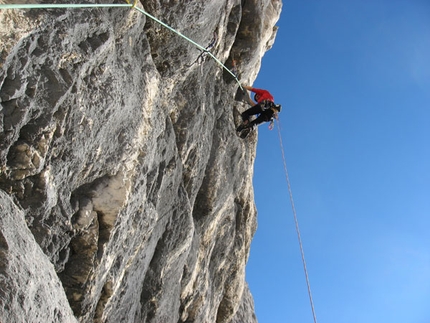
x: 265, y: 107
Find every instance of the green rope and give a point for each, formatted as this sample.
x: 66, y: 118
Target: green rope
x: 191, y: 41
x: 96, y: 5
x: 61, y: 5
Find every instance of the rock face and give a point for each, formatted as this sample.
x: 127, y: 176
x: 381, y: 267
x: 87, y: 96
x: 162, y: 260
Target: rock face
x: 126, y: 195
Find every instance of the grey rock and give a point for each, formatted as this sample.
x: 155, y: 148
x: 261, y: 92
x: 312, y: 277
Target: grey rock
x: 30, y: 288
x: 120, y: 163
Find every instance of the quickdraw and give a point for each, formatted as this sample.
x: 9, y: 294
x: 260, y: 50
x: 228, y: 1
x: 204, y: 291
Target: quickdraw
x: 204, y: 53
x: 200, y: 58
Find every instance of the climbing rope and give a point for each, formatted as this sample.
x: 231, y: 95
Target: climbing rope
x: 203, y: 49
x: 62, y: 5
x: 296, y: 223
x: 129, y: 5
x: 202, y: 57
x: 134, y: 3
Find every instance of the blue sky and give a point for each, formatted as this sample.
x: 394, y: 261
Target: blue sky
x: 354, y: 81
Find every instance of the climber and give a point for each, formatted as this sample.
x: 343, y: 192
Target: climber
x: 265, y: 108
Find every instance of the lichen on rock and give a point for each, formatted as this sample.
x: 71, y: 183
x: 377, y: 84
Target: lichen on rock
x: 124, y: 189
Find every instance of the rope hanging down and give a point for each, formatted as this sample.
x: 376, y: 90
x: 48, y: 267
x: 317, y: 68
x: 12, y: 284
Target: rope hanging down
x: 296, y: 223
x: 204, y: 50
x: 128, y: 5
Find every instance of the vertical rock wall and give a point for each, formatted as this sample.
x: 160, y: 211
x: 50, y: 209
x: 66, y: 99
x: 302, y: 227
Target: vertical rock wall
x: 126, y: 195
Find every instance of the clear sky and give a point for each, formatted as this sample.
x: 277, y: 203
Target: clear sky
x: 353, y: 78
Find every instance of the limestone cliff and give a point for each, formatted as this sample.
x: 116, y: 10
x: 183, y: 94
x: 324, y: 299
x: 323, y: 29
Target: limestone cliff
x: 125, y: 194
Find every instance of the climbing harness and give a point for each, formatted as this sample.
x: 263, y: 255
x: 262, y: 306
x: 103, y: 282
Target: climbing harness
x: 296, y: 223
x: 129, y: 5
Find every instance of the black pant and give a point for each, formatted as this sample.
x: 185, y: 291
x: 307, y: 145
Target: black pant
x: 264, y: 115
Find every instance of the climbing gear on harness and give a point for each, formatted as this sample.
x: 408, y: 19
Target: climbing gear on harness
x: 266, y: 104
